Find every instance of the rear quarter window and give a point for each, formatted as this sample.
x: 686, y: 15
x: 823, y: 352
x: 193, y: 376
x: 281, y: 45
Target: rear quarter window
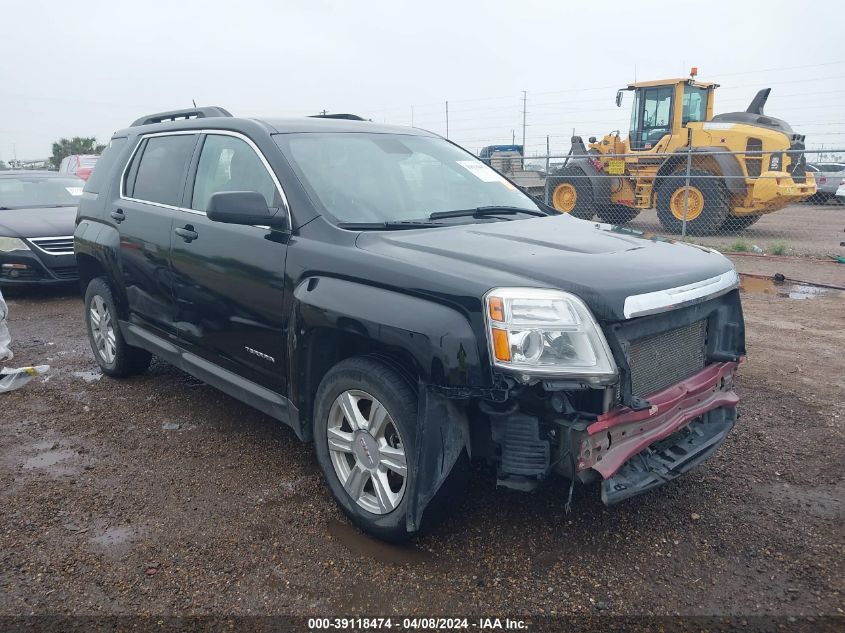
x: 103, y: 167
x: 161, y: 172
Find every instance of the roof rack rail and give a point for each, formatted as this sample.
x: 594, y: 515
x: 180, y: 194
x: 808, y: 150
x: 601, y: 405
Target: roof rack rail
x: 175, y: 115
x: 347, y: 117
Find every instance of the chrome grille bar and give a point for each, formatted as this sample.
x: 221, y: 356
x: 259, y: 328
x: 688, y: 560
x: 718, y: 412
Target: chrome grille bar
x: 62, y: 245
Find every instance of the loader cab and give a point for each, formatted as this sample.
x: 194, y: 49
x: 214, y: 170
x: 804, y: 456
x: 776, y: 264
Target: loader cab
x: 662, y: 108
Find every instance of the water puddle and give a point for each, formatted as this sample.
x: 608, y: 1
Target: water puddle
x: 363, y: 545
x: 786, y: 289
x: 115, y: 536
x: 53, y: 461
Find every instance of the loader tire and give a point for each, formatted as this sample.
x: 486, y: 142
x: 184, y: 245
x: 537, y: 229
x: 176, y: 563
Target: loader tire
x: 570, y: 192
x: 738, y: 223
x: 616, y: 213
x: 707, y: 209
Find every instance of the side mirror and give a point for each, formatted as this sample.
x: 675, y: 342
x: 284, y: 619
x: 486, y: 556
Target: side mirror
x: 619, y: 98
x: 244, y: 207
x: 592, y: 139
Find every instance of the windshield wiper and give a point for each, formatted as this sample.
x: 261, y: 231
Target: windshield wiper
x: 396, y: 225
x: 482, y: 212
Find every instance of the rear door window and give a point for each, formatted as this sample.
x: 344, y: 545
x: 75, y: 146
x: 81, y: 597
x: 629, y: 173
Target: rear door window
x: 161, y: 170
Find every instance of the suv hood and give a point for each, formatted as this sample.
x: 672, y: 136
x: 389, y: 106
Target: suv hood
x: 38, y: 222
x: 601, y: 264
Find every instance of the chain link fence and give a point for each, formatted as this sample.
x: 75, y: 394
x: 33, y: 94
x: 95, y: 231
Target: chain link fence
x: 762, y: 201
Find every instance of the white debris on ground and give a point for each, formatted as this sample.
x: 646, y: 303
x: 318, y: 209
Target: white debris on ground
x: 11, y: 379
x: 5, y: 338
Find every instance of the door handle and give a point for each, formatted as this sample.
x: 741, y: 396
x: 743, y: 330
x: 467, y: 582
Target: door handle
x: 187, y: 233
x: 118, y: 215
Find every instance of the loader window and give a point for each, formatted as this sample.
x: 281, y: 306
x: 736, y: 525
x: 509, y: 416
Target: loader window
x: 651, y: 118
x: 695, y: 104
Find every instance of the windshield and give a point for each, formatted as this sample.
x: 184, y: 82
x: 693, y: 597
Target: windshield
x: 27, y: 191
x: 394, y: 177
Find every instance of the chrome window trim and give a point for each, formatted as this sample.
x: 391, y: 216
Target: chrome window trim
x: 207, y: 132
x: 35, y: 242
x: 671, y: 298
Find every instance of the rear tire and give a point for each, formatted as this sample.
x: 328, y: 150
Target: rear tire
x: 707, y: 209
x: 616, y: 213
x: 739, y: 223
x: 113, y: 354
x: 570, y: 192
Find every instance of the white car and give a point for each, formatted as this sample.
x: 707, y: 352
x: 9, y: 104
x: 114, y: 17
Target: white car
x: 840, y: 191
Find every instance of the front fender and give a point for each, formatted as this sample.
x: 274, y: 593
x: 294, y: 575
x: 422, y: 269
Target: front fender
x: 439, y: 339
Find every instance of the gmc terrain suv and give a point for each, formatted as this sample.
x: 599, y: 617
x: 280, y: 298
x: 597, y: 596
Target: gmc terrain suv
x: 406, y: 308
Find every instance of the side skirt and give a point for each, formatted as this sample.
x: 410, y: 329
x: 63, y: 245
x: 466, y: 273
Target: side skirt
x: 261, y: 398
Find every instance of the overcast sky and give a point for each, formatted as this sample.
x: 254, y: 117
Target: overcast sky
x: 90, y: 68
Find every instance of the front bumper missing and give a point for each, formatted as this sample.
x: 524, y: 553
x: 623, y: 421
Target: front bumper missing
x: 669, y: 458
x: 635, y: 451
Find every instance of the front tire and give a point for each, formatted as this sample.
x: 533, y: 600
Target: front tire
x: 364, y: 435
x: 570, y: 192
x: 707, y: 207
x: 113, y: 354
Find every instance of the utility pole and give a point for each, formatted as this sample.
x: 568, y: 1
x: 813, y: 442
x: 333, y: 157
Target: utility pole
x: 447, y: 118
x: 513, y: 137
x: 524, y: 101
x: 412, y: 116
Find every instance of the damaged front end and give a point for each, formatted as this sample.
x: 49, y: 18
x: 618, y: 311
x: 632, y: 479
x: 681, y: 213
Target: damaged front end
x: 671, y: 406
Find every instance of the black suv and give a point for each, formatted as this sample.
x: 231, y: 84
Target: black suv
x: 406, y: 308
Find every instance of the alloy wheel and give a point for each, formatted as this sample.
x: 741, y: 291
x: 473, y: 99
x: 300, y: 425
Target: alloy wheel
x: 367, y: 452
x: 102, y: 329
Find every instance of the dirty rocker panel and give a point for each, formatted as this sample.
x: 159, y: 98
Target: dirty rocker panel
x: 263, y: 399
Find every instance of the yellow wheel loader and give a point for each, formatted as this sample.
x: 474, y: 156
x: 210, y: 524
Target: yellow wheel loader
x: 740, y: 165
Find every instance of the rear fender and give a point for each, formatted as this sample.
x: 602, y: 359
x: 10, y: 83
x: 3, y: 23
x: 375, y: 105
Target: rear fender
x: 599, y: 181
x: 97, y: 248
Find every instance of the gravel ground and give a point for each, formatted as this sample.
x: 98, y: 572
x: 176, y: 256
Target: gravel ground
x: 800, y: 230
x: 160, y: 495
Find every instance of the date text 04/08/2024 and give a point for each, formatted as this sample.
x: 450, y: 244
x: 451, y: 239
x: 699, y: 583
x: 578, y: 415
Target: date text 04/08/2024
x: 415, y: 624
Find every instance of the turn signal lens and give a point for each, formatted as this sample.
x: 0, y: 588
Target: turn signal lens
x: 501, y: 347
x: 497, y: 309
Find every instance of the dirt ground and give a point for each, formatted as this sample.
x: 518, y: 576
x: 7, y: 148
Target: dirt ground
x: 160, y: 495
x: 800, y: 230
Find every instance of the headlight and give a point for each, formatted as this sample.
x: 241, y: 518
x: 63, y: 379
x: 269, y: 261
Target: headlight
x: 12, y: 244
x: 537, y: 331
x: 776, y: 161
